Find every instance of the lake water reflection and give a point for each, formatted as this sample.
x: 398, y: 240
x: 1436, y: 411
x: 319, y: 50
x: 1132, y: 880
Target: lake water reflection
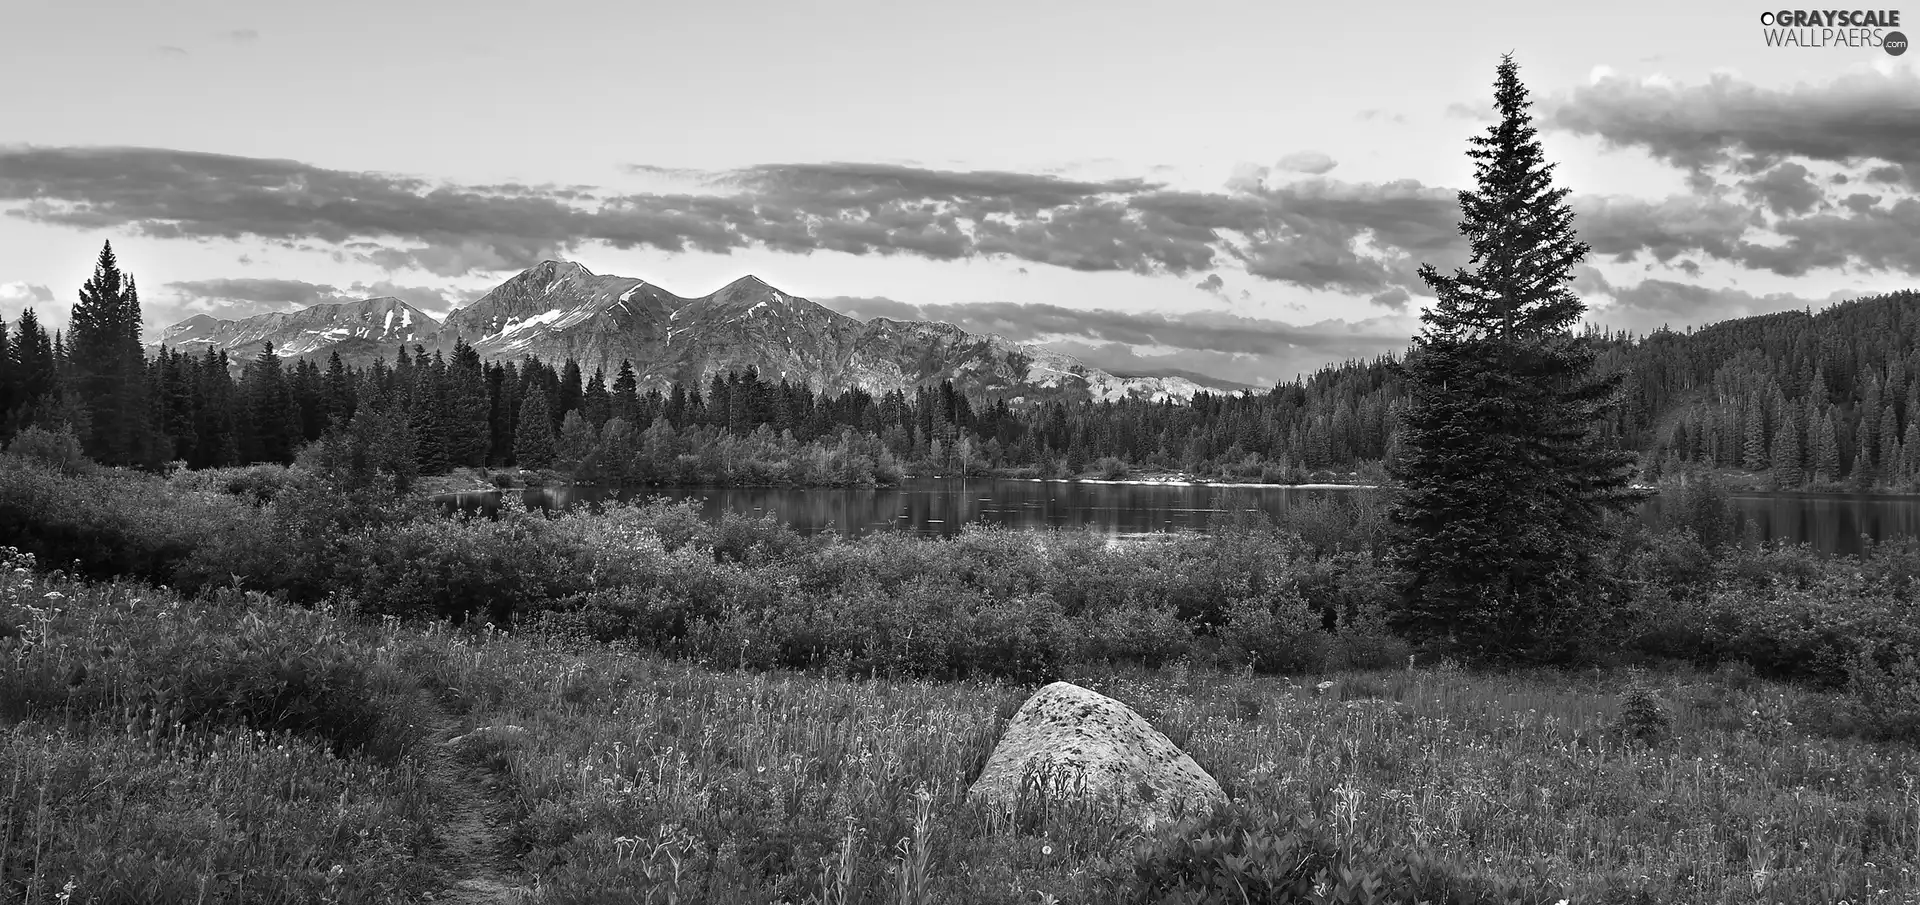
x: 942, y: 507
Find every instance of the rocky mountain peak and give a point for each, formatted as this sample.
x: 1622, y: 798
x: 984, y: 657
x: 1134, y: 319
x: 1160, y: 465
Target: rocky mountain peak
x: 557, y: 310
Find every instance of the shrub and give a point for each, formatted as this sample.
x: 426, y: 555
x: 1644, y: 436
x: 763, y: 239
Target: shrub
x: 1643, y: 716
x: 147, y: 659
x: 1024, y: 640
x: 1886, y: 686
x: 106, y: 523
x: 1271, y: 636
x: 1135, y: 633
x: 257, y: 484
x: 56, y: 449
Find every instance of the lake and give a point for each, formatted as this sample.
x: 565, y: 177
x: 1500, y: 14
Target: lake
x: 1833, y: 523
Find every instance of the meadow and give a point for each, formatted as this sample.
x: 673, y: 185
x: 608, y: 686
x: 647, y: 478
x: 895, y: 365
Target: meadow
x: 261, y: 686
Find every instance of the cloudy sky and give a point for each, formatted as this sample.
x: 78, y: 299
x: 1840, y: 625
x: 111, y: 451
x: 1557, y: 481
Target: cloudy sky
x: 1243, y: 189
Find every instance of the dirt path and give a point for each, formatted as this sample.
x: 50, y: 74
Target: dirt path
x: 472, y: 837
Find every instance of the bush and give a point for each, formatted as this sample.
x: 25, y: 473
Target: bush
x: 236, y: 660
x: 56, y: 449
x: 1135, y: 633
x: 106, y: 523
x: 257, y: 484
x: 1271, y: 636
x: 1886, y: 686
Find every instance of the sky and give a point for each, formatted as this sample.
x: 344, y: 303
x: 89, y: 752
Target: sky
x: 1239, y: 189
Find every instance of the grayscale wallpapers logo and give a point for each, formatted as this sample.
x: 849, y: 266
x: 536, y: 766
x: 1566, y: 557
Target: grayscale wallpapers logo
x: 1834, y: 28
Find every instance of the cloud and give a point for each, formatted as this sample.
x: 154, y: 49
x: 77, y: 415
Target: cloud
x: 1378, y: 114
x: 1653, y: 303
x: 1248, y: 177
x: 1786, y: 189
x: 1314, y: 162
x: 19, y: 294
x: 1623, y: 227
x: 1213, y: 283
x: 1201, y: 331
x: 169, y: 50
x: 266, y: 294
x: 1864, y: 238
x: 246, y: 296
x: 1727, y: 123
x: 1475, y: 113
x: 242, y: 35
x: 1395, y: 298
x: 1358, y: 238
x: 437, y: 302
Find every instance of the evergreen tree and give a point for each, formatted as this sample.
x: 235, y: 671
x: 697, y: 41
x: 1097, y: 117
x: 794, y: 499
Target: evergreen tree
x: 270, y: 425
x: 468, y: 408
x: 1753, y: 450
x: 595, y: 403
x: 109, y: 367
x: 570, y: 392
x: 1826, y: 449
x: 533, y: 436
x: 1889, y: 458
x: 1507, y: 486
x: 626, y: 394
x: 340, y: 396
x: 1786, y: 455
x: 9, y: 383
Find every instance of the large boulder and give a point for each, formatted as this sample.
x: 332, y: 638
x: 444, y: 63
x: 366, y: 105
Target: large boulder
x: 1068, y: 745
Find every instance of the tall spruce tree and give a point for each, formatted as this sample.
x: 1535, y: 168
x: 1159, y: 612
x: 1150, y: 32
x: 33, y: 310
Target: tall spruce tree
x: 533, y: 436
x: 1507, y: 484
x: 109, y: 367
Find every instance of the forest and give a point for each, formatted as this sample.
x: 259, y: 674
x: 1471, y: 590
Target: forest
x: 1796, y: 400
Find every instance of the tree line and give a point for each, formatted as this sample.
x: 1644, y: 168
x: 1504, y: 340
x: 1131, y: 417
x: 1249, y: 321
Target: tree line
x: 1826, y: 400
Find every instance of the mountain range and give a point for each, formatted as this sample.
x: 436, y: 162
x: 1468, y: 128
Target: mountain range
x: 558, y: 310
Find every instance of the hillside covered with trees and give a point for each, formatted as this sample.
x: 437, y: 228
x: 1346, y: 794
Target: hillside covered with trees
x: 1800, y: 400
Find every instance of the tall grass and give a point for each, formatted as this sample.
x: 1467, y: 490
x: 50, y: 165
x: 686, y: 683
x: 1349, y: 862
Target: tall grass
x: 728, y: 712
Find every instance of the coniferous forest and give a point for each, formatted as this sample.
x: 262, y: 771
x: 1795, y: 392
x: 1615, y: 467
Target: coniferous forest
x: 1798, y: 400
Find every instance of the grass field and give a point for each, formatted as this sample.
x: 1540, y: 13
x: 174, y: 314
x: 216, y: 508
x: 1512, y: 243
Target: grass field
x: 234, y: 749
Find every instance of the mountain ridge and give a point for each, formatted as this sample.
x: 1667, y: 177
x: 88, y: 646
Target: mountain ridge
x: 556, y: 310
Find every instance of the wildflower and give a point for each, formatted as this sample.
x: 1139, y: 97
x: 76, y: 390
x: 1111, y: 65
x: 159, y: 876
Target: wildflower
x: 1046, y: 850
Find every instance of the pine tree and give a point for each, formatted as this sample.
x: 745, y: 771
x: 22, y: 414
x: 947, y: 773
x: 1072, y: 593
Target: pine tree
x: 109, y: 367
x: 1826, y: 448
x: 1507, y: 486
x: 468, y: 408
x: 1786, y: 453
x: 533, y: 436
x: 9, y: 382
x: 1753, y: 448
x: 340, y: 397
x: 1910, y: 452
x: 571, y: 391
x: 270, y: 423
x: 626, y: 394
x: 33, y: 367
x: 1889, y: 460
x: 595, y: 403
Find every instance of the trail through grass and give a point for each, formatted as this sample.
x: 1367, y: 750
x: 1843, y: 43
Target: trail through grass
x: 471, y: 846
